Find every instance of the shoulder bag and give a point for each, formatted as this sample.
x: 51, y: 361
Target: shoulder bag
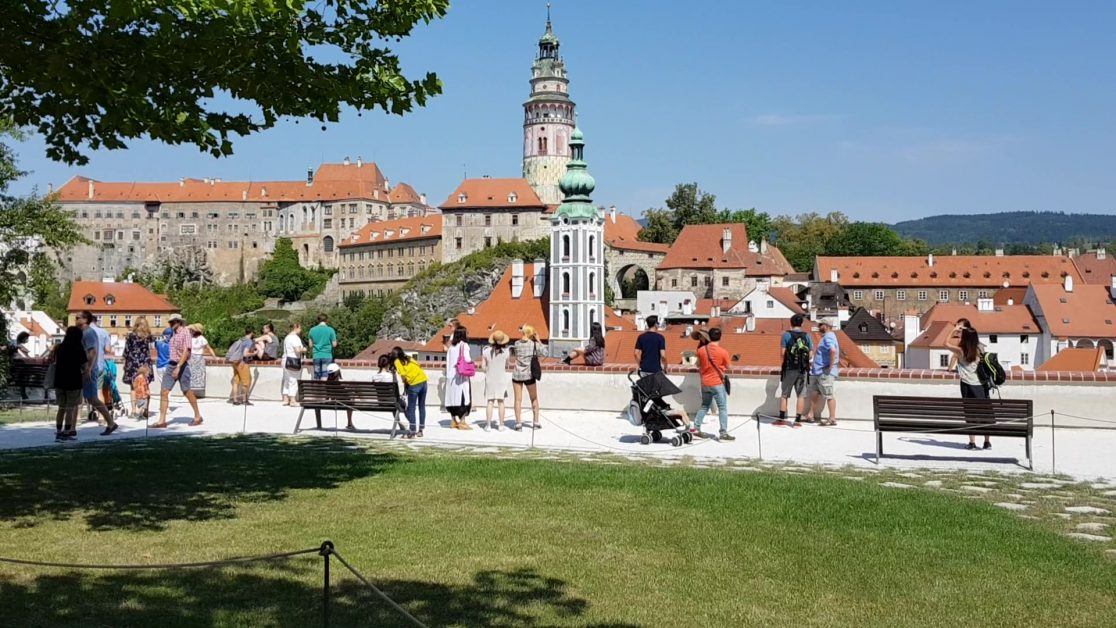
x: 292, y: 363
x: 465, y: 368
x: 536, y: 366
x: 724, y: 380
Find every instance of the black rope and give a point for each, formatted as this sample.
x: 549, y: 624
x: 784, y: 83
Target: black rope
x: 215, y: 563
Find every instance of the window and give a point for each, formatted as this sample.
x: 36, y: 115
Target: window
x: 90, y: 299
x: 112, y: 320
x: 922, y: 295
x: 158, y: 320
x: 992, y: 339
x: 858, y: 295
x: 515, y: 220
x: 352, y: 208
x: 457, y: 220
x: 565, y: 284
x: 187, y: 229
x: 327, y: 244
x: 674, y: 283
x: 1024, y: 358
x: 181, y: 214
x: 708, y: 281
x: 460, y: 199
x: 327, y: 223
x: 328, y: 210
x: 135, y: 235
x: 566, y: 248
x: 770, y: 304
x: 963, y: 295
x: 943, y: 296
x: 724, y: 282
x: 135, y: 215
x: 110, y: 300
x: 983, y: 294
x: 488, y: 220
x: 943, y: 360
x: 1024, y: 339
x: 900, y: 295
x: 693, y: 281
x: 127, y: 320
x: 878, y: 295
x: 487, y: 241
x: 193, y: 214
x: 457, y: 242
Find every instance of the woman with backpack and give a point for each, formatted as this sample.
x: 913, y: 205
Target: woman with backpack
x: 459, y: 372
x: 964, y: 343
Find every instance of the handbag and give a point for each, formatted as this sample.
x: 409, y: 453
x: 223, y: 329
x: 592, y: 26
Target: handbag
x: 48, y: 378
x: 292, y: 364
x: 465, y: 368
x: 724, y: 380
x: 536, y: 366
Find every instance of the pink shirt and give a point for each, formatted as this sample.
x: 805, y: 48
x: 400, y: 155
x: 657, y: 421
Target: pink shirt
x: 179, y: 344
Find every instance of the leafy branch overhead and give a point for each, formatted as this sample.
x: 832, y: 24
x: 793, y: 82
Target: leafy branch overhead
x: 91, y: 74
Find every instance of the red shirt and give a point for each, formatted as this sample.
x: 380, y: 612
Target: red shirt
x: 709, y: 375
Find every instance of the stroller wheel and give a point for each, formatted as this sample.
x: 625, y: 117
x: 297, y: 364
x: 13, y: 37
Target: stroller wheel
x: 645, y: 440
x: 676, y: 441
x: 687, y: 437
x: 656, y: 435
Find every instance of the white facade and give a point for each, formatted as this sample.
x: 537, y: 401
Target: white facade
x: 37, y: 344
x: 576, y: 280
x: 760, y: 304
x: 663, y: 303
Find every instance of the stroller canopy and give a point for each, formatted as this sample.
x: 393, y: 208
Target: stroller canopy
x: 657, y: 386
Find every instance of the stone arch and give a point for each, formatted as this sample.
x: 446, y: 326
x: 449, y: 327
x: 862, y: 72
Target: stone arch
x: 1106, y: 344
x: 631, y: 279
x: 327, y: 244
x: 1085, y: 344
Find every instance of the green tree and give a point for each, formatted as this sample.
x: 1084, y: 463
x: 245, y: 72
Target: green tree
x: 90, y: 74
x: 757, y: 223
x: 281, y: 276
x: 687, y: 205
x: 869, y: 239
x: 804, y: 238
x: 50, y: 295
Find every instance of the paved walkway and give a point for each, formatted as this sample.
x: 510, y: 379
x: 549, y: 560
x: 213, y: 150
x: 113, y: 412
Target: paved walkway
x: 1086, y: 454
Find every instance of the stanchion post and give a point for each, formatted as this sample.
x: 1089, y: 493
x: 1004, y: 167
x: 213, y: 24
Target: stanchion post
x: 324, y: 552
x: 1053, y: 454
x: 759, y: 439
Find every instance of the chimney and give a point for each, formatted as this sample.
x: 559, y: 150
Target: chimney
x: 726, y: 240
x: 360, y: 162
x: 715, y: 312
x: 1112, y: 288
x: 911, y: 328
x: 930, y: 260
x: 687, y: 307
x: 422, y: 198
x: 244, y: 195
x: 50, y: 188
x: 346, y: 162
x: 263, y: 192
x: 1068, y: 283
x: 833, y: 275
x: 91, y: 189
x: 387, y: 185
x: 182, y: 182
x: 1101, y: 254
x: 1011, y: 301
x: 750, y: 323
x: 752, y: 247
x: 954, y: 252
x: 612, y: 214
x: 999, y: 252
x: 763, y: 246
x: 1073, y: 252
x: 309, y: 176
x: 540, y: 278
x: 984, y: 305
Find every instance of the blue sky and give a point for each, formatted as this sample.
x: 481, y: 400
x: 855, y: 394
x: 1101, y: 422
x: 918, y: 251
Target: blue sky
x: 884, y: 110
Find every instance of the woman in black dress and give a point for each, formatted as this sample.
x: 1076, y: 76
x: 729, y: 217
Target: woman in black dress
x: 69, y: 372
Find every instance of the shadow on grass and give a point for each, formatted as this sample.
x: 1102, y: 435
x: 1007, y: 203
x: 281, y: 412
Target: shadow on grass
x: 143, y: 485
x: 285, y: 596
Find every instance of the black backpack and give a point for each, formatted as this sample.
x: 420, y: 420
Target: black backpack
x: 797, y: 356
x: 989, y: 370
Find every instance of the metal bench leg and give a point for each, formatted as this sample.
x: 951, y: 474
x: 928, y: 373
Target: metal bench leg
x: 299, y: 421
x: 394, y: 423
x: 879, y: 446
x: 1030, y: 458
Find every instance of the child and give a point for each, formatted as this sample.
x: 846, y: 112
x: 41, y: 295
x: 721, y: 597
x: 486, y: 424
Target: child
x: 333, y: 374
x: 141, y: 393
x: 386, y: 374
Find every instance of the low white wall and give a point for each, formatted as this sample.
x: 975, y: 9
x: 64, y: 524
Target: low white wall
x: 611, y: 392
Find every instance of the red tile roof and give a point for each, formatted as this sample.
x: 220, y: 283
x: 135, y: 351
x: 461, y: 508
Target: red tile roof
x: 126, y: 297
x: 934, y: 336
x: 700, y: 247
x: 384, y: 345
x: 493, y: 194
x: 402, y: 230
x: 1095, y: 268
x: 1075, y: 360
x: 1015, y: 295
x: 403, y: 193
x: 787, y: 297
x: 1087, y: 312
x: 623, y: 233
x: 948, y: 270
x: 33, y: 327
x: 1002, y: 319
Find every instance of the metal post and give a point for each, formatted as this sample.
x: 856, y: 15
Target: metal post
x: 1053, y: 459
x: 759, y: 439
x: 326, y: 550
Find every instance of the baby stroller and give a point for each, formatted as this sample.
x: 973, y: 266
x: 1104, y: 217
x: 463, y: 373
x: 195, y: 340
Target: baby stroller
x: 110, y: 393
x: 648, y: 409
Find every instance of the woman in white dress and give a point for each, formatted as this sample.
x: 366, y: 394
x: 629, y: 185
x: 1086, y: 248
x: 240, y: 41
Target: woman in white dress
x: 459, y: 394
x: 199, y: 350
x: 496, y: 379
x: 293, y: 350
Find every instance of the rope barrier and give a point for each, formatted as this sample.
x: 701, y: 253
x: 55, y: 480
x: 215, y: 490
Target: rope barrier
x: 1085, y: 418
x: 383, y: 596
x: 163, y: 566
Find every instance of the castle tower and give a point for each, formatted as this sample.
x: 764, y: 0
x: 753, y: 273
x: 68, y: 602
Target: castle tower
x: 576, y: 257
x: 548, y: 120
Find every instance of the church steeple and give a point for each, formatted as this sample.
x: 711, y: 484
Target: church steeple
x: 577, y: 184
x: 548, y: 119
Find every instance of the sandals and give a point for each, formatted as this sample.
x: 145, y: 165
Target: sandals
x: 196, y: 422
x: 158, y: 425
x: 827, y: 422
x: 519, y: 427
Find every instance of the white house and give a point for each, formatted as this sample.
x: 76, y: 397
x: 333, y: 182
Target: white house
x: 1010, y: 331
x: 664, y: 303
x: 768, y: 302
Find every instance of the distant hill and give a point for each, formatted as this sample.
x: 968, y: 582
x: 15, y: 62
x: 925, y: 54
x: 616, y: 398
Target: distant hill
x: 1011, y: 228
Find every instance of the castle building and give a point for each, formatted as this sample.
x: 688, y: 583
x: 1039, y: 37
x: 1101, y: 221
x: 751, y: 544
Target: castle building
x: 383, y: 256
x: 576, y: 257
x: 484, y: 212
x: 548, y: 120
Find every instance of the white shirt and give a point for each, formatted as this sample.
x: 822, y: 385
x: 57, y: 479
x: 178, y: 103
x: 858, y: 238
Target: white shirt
x: 292, y: 346
x: 198, y: 345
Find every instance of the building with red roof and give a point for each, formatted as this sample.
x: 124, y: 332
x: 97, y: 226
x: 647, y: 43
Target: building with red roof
x: 118, y: 304
x: 1074, y: 315
x: 631, y: 261
x: 719, y: 261
x: 1010, y: 331
x: 1097, y: 267
x: 382, y: 256
x: 479, y: 213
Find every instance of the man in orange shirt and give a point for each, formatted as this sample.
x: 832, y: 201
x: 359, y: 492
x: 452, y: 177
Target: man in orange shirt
x: 713, y: 361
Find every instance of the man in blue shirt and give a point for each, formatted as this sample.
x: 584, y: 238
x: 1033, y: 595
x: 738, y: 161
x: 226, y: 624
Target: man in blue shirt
x: 823, y: 373
x: 650, y: 349
x: 94, y: 340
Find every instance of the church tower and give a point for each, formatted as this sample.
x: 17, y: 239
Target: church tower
x: 576, y: 257
x: 548, y: 120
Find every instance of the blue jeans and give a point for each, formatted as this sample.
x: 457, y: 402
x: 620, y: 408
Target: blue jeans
x: 708, y: 395
x: 416, y: 397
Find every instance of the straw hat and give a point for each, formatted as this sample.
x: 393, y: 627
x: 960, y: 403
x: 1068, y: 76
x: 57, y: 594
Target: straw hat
x: 498, y: 338
x: 700, y: 335
x: 196, y: 327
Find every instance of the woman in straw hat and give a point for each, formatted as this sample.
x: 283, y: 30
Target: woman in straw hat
x: 494, y: 361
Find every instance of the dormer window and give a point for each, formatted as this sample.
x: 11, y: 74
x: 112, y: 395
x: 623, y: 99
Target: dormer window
x: 110, y: 300
x: 461, y: 197
x: 89, y: 299
x: 512, y: 197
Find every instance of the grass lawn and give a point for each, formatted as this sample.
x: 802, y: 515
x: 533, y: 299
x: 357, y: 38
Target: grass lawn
x: 506, y: 541
x: 31, y: 412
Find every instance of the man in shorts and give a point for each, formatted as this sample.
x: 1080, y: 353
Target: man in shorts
x: 795, y: 349
x: 244, y: 347
x: 178, y: 371
x: 94, y: 340
x: 823, y: 374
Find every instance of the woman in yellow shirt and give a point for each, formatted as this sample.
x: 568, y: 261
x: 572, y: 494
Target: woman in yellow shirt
x: 414, y: 382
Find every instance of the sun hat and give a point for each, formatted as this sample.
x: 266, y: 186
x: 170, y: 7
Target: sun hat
x: 333, y: 367
x: 830, y: 322
x: 196, y: 327
x: 498, y: 338
x: 176, y: 317
x: 700, y: 335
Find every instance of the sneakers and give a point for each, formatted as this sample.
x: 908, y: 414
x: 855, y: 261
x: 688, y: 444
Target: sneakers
x: 567, y: 360
x: 987, y: 445
x: 725, y: 436
x: 488, y: 427
x: 971, y: 446
x: 700, y: 434
x: 109, y: 430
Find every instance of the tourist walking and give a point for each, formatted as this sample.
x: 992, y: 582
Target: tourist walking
x: 713, y: 360
x: 459, y: 373
x: 162, y: 352
x: 178, y: 371
x: 795, y: 349
x: 526, y: 373
x: 94, y: 340
x: 650, y: 349
x: 242, y: 349
x: 414, y: 384
x: 293, y: 351
x: 323, y: 339
x: 594, y: 351
x: 199, y: 349
x: 70, y: 361
x: 494, y: 359
x: 964, y: 343
x: 823, y: 374
x: 137, y: 353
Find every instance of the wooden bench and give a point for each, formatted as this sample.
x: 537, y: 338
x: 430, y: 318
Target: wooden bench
x: 347, y: 396
x: 928, y: 415
x: 27, y: 373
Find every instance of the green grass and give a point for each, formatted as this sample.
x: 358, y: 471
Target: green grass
x: 27, y: 413
x: 494, y: 540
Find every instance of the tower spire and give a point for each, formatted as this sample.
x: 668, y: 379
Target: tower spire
x: 548, y: 17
